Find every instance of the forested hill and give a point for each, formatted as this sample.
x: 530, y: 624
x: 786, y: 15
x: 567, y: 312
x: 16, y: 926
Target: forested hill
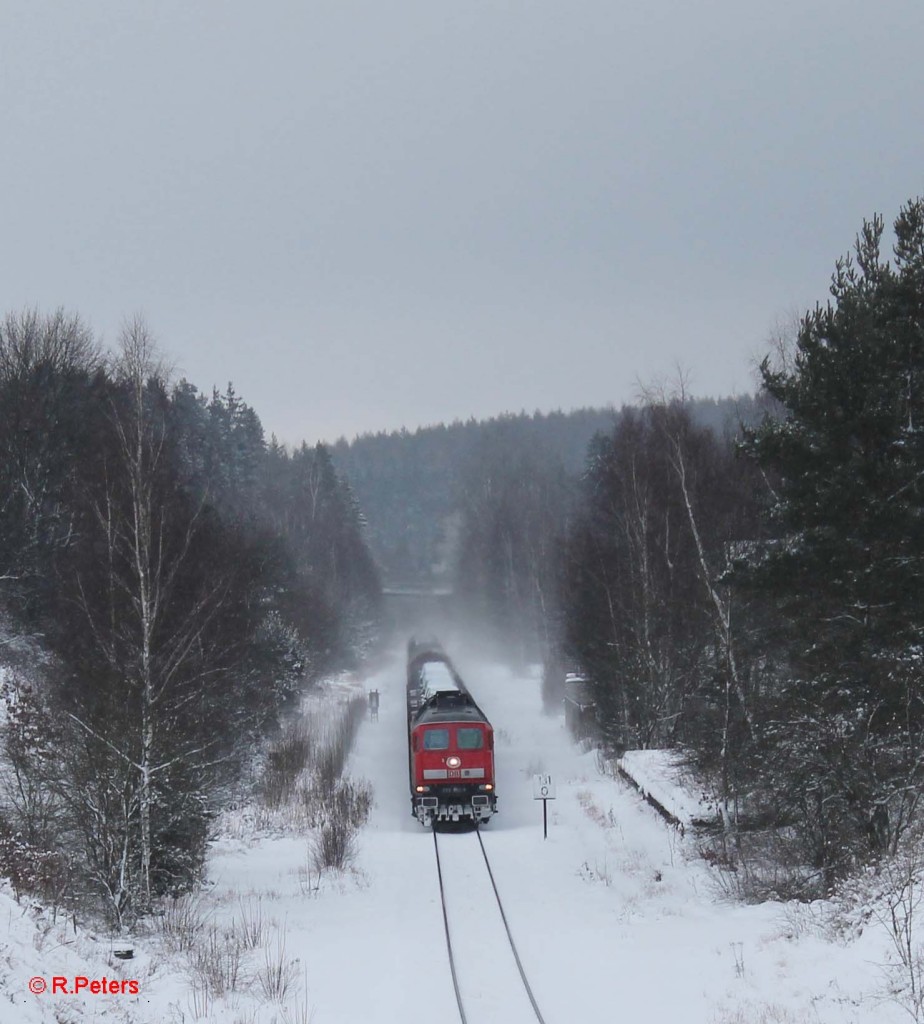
x: 414, y: 486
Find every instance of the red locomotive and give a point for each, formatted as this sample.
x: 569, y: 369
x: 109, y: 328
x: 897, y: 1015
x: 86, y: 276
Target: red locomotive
x: 450, y: 742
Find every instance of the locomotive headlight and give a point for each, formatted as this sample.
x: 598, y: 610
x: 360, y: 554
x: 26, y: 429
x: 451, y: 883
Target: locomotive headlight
x: 453, y: 761
x: 489, y: 787
x: 422, y: 789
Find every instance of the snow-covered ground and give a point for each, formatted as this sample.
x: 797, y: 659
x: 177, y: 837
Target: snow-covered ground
x: 614, y: 915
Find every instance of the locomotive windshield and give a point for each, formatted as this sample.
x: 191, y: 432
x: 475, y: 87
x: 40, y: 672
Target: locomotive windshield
x: 436, y: 739
x: 469, y: 739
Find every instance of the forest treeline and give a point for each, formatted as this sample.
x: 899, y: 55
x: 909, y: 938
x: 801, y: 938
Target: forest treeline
x: 752, y: 596
x: 415, y: 485
x: 412, y: 484
x: 183, y: 580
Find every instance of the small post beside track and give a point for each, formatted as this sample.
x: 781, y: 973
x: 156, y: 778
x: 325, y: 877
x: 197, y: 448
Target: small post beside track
x: 544, y: 790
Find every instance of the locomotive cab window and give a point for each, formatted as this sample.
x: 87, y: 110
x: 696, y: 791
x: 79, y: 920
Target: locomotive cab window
x: 469, y: 739
x: 436, y: 739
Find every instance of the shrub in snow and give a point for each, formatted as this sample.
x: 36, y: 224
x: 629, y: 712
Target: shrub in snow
x: 277, y: 975
x: 32, y: 871
x: 285, y: 761
x: 334, y: 846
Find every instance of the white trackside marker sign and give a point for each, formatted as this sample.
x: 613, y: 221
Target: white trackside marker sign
x: 544, y: 790
x: 543, y: 787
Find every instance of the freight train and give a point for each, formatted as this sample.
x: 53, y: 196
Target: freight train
x: 450, y: 742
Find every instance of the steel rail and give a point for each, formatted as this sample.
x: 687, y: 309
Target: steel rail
x: 452, y: 959
x: 500, y: 907
x: 513, y: 945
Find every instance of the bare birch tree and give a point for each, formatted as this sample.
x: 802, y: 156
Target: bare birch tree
x: 152, y: 639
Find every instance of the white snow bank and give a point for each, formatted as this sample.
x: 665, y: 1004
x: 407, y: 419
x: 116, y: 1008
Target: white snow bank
x: 37, y: 947
x: 661, y: 778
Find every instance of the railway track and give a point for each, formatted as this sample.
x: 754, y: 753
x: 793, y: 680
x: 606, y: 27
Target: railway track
x: 487, y: 974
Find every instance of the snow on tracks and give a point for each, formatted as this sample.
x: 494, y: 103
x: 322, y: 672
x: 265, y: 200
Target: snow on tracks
x: 489, y: 980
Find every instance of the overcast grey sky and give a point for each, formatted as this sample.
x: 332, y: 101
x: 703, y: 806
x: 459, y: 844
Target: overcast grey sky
x: 370, y: 215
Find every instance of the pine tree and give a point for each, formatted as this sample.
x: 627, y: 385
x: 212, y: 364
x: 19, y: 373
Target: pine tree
x: 843, y: 573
